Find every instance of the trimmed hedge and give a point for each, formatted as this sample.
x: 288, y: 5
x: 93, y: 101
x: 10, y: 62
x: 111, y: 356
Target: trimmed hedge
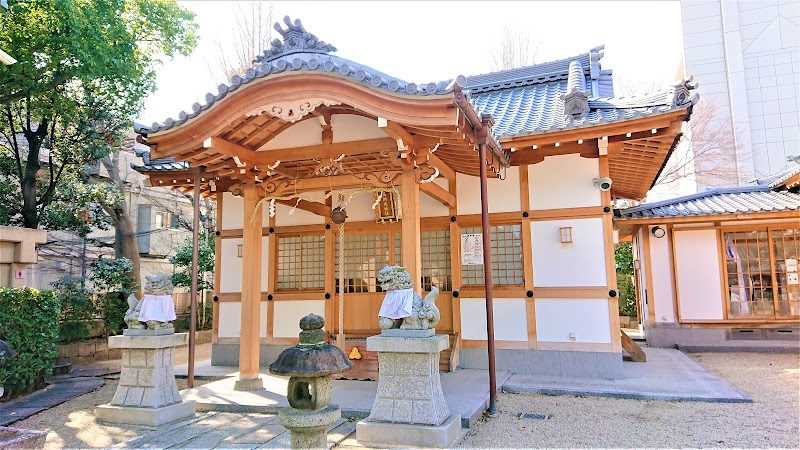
x: 29, y: 323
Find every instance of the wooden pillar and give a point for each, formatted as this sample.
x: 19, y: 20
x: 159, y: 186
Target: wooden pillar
x: 412, y: 256
x: 608, y: 234
x: 249, y: 344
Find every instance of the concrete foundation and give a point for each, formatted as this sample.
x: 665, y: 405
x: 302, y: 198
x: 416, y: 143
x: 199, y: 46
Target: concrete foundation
x: 380, y: 434
x: 228, y: 354
x: 671, y: 336
x: 151, y: 417
x: 603, y: 365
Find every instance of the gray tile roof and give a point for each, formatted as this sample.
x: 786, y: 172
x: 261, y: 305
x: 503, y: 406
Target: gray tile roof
x: 779, y: 178
x: 522, y: 101
x: 733, y: 200
x: 158, y: 165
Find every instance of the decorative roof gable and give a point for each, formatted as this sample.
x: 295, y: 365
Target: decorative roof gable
x: 295, y: 40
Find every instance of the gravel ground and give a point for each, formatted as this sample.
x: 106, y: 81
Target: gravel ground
x: 73, y: 425
x: 772, y: 420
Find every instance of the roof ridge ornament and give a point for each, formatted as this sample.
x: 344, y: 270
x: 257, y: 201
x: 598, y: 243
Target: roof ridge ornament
x: 680, y: 92
x: 576, y: 99
x: 295, y: 40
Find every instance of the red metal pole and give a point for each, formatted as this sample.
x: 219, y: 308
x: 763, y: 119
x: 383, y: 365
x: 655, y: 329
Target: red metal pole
x: 487, y: 279
x: 193, y: 293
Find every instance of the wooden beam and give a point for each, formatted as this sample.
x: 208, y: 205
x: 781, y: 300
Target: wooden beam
x: 324, y: 151
x: 522, y: 156
x: 396, y: 131
x: 231, y: 149
x: 312, y: 207
x: 328, y: 183
x: 438, y: 193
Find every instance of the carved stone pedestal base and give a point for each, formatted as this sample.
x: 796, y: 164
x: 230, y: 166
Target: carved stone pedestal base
x: 147, y: 393
x: 409, y: 407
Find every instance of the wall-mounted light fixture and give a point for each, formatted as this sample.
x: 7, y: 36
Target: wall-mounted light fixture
x: 658, y: 232
x: 566, y: 235
x: 239, y: 250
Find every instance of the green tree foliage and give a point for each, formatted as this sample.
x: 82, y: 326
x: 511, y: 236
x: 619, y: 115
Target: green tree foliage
x: 623, y: 259
x: 29, y: 319
x: 83, y: 69
x: 110, y: 278
x: 77, y: 309
x: 205, y: 263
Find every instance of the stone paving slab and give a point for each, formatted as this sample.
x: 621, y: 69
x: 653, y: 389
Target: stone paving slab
x: 466, y: 392
x: 215, y: 430
x: 667, y: 375
x: 61, y: 390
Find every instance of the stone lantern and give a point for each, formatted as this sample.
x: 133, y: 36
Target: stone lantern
x: 309, y: 366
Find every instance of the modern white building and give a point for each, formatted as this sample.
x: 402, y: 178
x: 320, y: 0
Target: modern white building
x: 745, y: 55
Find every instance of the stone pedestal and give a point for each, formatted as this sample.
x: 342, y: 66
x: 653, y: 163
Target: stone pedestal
x: 409, y: 407
x: 309, y: 428
x: 147, y: 393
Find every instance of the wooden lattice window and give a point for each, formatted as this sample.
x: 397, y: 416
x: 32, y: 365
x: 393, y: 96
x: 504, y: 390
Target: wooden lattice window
x: 786, y: 244
x: 762, y: 272
x: 364, y: 256
x: 506, y: 257
x: 435, y: 248
x: 301, y: 263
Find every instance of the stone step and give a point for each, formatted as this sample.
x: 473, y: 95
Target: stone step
x: 62, y: 368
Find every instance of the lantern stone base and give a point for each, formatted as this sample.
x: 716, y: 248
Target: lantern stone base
x: 147, y: 393
x: 309, y: 427
x: 409, y: 407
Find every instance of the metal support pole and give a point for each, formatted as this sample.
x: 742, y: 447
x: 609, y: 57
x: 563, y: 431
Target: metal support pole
x: 487, y: 279
x: 193, y: 293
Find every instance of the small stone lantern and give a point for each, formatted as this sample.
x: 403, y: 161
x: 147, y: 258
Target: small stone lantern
x: 309, y: 366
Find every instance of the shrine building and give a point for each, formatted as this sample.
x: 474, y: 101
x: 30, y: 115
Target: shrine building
x: 304, y: 132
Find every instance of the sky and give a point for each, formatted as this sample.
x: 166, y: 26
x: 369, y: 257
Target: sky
x: 427, y: 41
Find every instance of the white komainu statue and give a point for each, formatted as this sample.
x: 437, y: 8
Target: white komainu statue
x: 402, y: 307
x: 156, y: 309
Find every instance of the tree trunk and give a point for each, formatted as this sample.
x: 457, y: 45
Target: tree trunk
x: 125, y: 244
x: 28, y: 183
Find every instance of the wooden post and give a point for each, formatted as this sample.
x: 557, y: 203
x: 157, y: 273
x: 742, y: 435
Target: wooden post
x: 487, y: 278
x: 249, y: 342
x: 193, y: 292
x: 412, y: 256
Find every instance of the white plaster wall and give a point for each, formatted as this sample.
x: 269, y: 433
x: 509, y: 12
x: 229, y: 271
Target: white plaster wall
x: 307, y: 132
x: 581, y: 263
x: 231, y: 265
x: 359, y: 208
x: 698, y: 272
x: 510, y: 319
x: 230, y: 319
x: 551, y: 188
x: 349, y: 127
x: 662, y: 278
x: 286, y: 323
x: 556, y: 318
x: 503, y: 194
x: 430, y: 207
x: 284, y: 216
x: 232, y: 212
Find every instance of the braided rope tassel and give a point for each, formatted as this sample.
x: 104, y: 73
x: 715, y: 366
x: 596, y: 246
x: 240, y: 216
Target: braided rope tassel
x: 340, y: 336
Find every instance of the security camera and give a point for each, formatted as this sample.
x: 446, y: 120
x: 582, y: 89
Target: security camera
x: 603, y: 184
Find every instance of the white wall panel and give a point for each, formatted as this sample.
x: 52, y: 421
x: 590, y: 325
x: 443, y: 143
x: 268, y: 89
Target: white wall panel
x: 556, y: 318
x: 284, y: 216
x: 510, y: 319
x: 232, y: 212
x: 662, y: 292
x: 503, y: 194
x: 349, y: 127
x: 551, y: 188
x: 698, y: 271
x: 286, y: 323
x: 230, y: 319
x: 231, y: 265
x: 307, y: 132
x: 430, y: 207
x: 581, y: 263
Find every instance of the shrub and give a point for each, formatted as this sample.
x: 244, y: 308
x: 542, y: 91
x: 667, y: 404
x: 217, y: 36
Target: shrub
x: 77, y: 309
x: 30, y: 326
x: 112, y: 276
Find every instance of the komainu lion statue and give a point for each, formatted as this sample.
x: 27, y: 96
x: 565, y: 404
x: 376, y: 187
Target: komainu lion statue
x: 156, y: 309
x: 402, y: 307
